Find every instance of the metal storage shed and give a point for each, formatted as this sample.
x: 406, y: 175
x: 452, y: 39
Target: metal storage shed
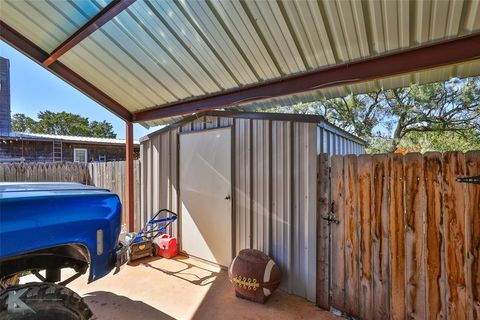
x: 273, y: 183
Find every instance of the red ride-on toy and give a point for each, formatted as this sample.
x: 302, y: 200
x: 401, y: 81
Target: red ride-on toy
x: 141, y: 243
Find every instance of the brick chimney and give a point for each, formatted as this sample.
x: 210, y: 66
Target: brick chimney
x: 5, y: 119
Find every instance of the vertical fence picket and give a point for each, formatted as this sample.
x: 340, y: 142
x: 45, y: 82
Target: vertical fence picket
x: 351, y: 226
x: 434, y: 224
x: 323, y: 233
x: 472, y: 223
x: 338, y: 236
x: 365, y: 183
x: 454, y: 213
x: 380, y: 235
x: 397, y: 238
x: 414, y: 237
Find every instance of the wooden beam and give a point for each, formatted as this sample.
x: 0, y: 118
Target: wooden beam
x: 430, y: 56
x: 129, y: 178
x: 104, y: 16
x: 35, y: 53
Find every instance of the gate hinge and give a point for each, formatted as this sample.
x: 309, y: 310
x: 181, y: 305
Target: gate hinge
x: 472, y: 179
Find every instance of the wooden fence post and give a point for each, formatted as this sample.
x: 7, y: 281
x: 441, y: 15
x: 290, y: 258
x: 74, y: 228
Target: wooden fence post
x: 323, y: 232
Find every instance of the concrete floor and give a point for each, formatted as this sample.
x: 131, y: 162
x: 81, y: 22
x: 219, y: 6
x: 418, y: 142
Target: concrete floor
x: 182, y: 288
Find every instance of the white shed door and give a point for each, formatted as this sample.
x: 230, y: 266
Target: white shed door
x: 205, y: 187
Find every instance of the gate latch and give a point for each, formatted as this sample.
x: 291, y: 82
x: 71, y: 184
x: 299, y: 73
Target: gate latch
x: 472, y: 179
x: 331, y: 215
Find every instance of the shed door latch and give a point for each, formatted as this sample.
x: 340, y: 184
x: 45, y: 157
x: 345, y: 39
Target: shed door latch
x: 331, y: 218
x: 472, y: 179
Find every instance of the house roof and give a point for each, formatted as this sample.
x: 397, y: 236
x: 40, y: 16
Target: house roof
x: 63, y: 138
x: 147, y: 60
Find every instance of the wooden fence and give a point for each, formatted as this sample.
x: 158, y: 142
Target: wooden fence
x: 407, y: 243
x: 109, y: 175
x: 41, y: 172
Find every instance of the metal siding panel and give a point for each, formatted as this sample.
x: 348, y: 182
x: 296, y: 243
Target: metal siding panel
x: 198, y: 124
x: 319, y: 140
x: 186, y: 127
x: 242, y: 183
x: 143, y: 187
x: 305, y: 213
x: 261, y: 196
x: 334, y: 144
x: 174, y: 176
x: 281, y: 200
x: 163, y: 167
x: 328, y: 148
x: 225, y: 121
x: 148, y: 182
x: 155, y: 176
x: 211, y: 122
x: 342, y: 145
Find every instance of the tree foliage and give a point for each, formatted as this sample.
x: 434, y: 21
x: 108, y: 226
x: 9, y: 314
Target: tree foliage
x: 439, y: 116
x: 62, y: 123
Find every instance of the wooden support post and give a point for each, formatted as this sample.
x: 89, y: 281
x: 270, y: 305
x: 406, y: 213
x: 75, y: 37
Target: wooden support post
x: 129, y: 200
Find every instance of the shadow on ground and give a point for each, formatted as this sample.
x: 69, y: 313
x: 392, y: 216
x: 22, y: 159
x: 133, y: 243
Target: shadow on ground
x: 220, y: 302
x: 193, y: 273
x: 107, y: 305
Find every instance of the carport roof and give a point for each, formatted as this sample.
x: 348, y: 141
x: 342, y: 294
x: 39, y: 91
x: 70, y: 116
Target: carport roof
x: 150, y: 61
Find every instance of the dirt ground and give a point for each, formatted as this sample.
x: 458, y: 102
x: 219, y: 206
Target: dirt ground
x: 182, y: 288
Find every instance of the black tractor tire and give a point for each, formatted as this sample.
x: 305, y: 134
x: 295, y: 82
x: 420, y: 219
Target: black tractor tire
x: 42, y: 301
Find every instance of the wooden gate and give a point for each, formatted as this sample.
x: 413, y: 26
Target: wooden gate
x: 406, y: 240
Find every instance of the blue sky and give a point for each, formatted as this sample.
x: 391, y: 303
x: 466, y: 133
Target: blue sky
x: 34, y: 89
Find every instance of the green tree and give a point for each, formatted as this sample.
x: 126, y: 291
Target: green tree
x: 452, y: 106
x: 62, y: 123
x: 442, y: 141
x: 22, y: 123
x: 444, y: 114
x: 102, y: 129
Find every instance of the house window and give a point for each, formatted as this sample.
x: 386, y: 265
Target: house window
x: 102, y: 158
x: 80, y: 155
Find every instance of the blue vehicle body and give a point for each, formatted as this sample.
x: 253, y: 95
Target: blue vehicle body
x: 39, y: 216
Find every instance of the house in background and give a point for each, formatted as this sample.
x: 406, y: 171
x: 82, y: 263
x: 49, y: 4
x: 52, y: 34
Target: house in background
x: 30, y: 147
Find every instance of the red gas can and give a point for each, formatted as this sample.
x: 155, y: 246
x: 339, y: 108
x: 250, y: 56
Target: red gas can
x: 166, y: 246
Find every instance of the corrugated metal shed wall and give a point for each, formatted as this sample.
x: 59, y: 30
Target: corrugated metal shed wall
x: 332, y: 141
x: 274, y: 181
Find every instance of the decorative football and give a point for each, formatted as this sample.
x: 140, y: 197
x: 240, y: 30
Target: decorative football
x: 254, y: 275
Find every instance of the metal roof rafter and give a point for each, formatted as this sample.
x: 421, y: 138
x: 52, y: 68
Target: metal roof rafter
x: 105, y: 15
x: 35, y: 53
x: 439, y: 54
